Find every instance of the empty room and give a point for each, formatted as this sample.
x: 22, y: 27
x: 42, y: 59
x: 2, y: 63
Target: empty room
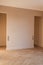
x: 21, y: 32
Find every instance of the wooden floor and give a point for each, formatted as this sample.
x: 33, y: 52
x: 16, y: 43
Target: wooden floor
x: 22, y: 57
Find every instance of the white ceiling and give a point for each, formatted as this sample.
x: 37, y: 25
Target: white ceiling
x: 27, y: 4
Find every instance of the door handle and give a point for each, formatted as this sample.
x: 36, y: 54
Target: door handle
x: 33, y: 37
x: 8, y: 38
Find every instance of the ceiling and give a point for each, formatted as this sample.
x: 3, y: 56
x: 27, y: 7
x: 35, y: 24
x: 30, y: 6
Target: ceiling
x: 26, y: 4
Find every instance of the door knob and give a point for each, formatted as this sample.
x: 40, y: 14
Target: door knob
x: 8, y: 38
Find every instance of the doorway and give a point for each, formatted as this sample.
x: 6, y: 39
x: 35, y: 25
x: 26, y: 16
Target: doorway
x: 2, y: 31
x: 37, y: 31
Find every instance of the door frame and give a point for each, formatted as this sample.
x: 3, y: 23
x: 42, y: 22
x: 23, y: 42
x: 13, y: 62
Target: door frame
x: 6, y: 28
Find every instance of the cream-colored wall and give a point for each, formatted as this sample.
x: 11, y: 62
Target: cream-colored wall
x: 2, y: 29
x: 26, y: 4
x: 20, y: 27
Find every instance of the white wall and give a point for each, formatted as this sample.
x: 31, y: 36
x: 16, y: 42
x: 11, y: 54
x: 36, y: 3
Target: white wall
x: 20, y: 27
